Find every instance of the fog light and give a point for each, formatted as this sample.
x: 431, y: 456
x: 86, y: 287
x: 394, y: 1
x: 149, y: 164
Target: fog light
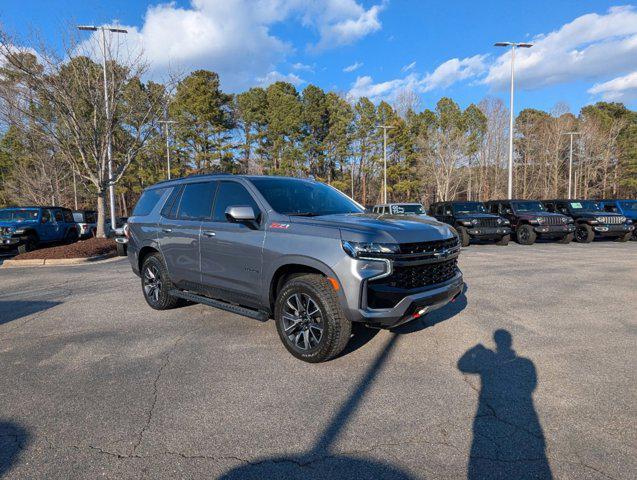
x: 419, y: 313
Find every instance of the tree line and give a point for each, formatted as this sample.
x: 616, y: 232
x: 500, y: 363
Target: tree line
x: 54, y: 135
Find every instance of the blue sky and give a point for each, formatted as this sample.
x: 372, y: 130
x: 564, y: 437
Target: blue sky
x: 585, y: 50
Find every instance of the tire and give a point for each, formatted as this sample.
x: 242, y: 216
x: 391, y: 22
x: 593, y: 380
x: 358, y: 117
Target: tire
x: 525, y: 235
x: 584, y: 233
x: 465, y: 239
x: 154, y: 274
x: 625, y: 237
x: 320, y: 335
x: 504, y: 240
x: 566, y: 239
x: 71, y: 236
x: 121, y: 250
x: 28, y: 245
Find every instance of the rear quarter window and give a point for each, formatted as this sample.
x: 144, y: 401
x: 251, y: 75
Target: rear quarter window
x: 148, y: 200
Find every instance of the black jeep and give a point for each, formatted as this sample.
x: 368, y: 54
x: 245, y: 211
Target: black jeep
x: 472, y: 221
x: 530, y: 219
x: 592, y: 221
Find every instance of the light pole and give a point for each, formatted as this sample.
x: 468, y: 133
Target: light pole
x: 111, y: 185
x: 166, y: 123
x: 570, y: 161
x: 74, y: 190
x: 385, y: 128
x: 513, y: 46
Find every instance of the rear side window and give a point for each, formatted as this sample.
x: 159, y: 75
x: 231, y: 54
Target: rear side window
x: 232, y: 194
x: 172, y: 204
x: 68, y: 216
x: 196, y: 201
x: 148, y: 200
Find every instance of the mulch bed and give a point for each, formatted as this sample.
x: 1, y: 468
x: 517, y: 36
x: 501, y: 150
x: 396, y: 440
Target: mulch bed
x: 92, y: 247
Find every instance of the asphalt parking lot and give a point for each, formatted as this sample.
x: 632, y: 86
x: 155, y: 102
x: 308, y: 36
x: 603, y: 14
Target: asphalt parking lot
x: 531, y: 374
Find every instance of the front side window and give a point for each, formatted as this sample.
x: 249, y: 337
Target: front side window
x: 469, y: 207
x: 196, y: 201
x: 147, y: 201
x: 232, y: 194
x: 530, y: 206
x: 46, y: 216
x: 290, y: 196
x: 58, y: 216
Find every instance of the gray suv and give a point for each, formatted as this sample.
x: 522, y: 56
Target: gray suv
x: 295, y: 250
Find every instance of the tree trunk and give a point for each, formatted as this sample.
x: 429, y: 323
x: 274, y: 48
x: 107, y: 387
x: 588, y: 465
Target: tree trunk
x: 101, y: 213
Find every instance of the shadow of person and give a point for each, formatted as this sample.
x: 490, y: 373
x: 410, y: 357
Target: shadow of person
x: 322, y: 461
x: 13, y: 439
x: 508, y: 441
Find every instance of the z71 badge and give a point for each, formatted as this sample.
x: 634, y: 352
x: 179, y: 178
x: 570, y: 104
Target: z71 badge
x: 281, y: 226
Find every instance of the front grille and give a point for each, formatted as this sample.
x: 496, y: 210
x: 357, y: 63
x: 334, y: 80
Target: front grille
x: 428, y: 247
x: 419, y: 276
x: 4, y: 230
x: 489, y: 222
x: 610, y: 220
x: 557, y: 220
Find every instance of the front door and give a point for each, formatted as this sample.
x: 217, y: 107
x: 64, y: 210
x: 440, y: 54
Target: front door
x: 47, y: 230
x: 232, y: 252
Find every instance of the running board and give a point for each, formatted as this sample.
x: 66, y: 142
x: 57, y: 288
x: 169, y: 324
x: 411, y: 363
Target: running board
x: 228, y: 307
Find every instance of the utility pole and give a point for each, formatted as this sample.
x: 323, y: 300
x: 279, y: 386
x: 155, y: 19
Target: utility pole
x: 513, y: 46
x: 166, y: 123
x: 570, y: 161
x: 74, y: 190
x: 111, y: 184
x: 385, y: 128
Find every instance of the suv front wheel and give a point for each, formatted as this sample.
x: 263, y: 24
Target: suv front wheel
x: 309, y: 319
x: 156, y: 284
x: 526, y: 235
x: 584, y: 233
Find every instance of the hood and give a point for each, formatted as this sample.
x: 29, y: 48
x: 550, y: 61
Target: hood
x: 369, y: 227
x: 18, y: 224
x: 527, y: 215
x: 476, y: 215
x: 593, y: 214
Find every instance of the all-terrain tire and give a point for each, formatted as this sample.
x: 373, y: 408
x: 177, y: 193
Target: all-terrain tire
x: 625, y: 237
x: 525, y: 235
x: 504, y: 240
x: 29, y: 244
x: 465, y: 239
x: 71, y: 236
x: 584, y: 233
x: 336, y: 328
x: 155, y: 268
x: 566, y: 239
x: 121, y: 250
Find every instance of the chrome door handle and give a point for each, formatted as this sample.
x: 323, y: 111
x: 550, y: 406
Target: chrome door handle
x: 167, y: 230
x: 209, y: 233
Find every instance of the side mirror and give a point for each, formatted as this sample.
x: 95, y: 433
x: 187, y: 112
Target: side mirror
x: 240, y: 213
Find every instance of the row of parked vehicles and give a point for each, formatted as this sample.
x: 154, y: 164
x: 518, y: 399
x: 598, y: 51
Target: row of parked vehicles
x: 27, y: 228
x: 528, y: 220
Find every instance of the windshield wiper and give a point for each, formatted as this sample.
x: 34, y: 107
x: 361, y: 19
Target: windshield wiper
x: 303, y: 214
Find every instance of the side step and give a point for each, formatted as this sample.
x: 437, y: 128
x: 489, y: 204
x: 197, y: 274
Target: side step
x: 228, y: 307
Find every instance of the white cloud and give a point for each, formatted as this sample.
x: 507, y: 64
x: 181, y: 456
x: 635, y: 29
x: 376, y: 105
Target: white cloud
x: 620, y: 89
x: 303, y: 67
x: 275, y: 76
x: 406, y: 68
x: 234, y: 37
x: 453, y: 71
x: 590, y: 47
x: 353, y: 67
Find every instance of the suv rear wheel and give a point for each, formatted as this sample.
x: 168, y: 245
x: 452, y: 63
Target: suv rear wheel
x: 526, y: 235
x: 504, y: 240
x: 566, y: 238
x: 156, y: 284
x: 584, y: 233
x: 309, y: 319
x: 625, y: 237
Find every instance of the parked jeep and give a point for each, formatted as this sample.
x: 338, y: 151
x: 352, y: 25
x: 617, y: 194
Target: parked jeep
x: 86, y: 222
x: 29, y: 227
x: 472, y: 221
x: 295, y: 250
x: 531, y: 220
x: 399, y: 209
x: 592, y: 221
x: 627, y: 208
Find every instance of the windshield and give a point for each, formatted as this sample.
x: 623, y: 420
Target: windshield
x: 529, y: 206
x: 17, y: 215
x: 631, y: 205
x: 291, y: 196
x: 584, y: 205
x: 469, y: 207
x: 402, y: 209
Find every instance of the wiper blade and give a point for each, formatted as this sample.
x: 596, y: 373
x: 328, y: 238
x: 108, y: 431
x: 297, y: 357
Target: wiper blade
x: 303, y: 214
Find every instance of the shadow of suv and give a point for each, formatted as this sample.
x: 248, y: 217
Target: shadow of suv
x: 296, y: 250
x: 472, y: 221
x: 531, y: 220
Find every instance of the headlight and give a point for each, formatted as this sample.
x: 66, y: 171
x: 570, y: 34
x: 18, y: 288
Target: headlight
x: 622, y: 219
x: 539, y: 220
x: 468, y: 223
x: 361, y: 249
x: 505, y: 222
x: 599, y: 219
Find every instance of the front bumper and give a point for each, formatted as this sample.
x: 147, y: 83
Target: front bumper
x: 554, y: 230
x: 612, y: 230
x: 488, y: 232
x: 9, y: 241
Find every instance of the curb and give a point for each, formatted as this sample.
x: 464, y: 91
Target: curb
x: 56, y: 261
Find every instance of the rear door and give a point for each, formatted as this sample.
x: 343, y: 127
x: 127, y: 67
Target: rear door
x: 179, y: 231
x: 232, y: 252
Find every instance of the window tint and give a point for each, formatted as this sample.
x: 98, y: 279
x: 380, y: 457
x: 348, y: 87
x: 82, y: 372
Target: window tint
x: 58, y: 216
x: 46, y: 216
x: 172, y: 204
x: 232, y: 194
x: 148, y: 200
x: 196, y: 201
x: 68, y: 216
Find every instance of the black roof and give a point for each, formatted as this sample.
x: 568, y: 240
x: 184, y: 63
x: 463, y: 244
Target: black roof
x: 453, y: 202
x: 39, y: 206
x: 178, y: 181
